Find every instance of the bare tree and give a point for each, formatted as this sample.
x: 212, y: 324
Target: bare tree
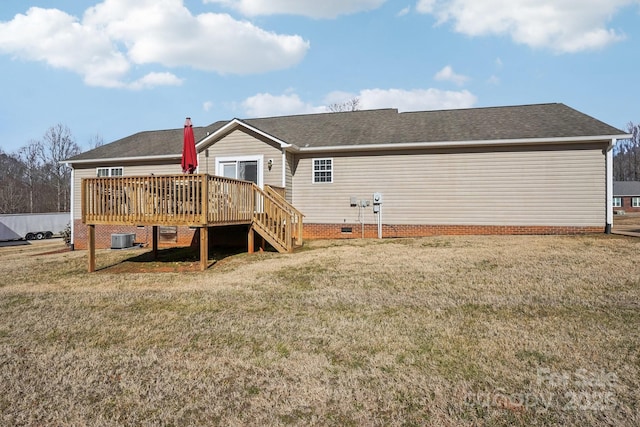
x: 12, y: 198
x: 96, y: 141
x: 352, y: 104
x: 31, y: 156
x: 59, y: 145
x: 626, y: 163
x: 12, y: 191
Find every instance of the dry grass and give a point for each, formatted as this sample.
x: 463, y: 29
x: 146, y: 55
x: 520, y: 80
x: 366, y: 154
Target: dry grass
x: 530, y: 330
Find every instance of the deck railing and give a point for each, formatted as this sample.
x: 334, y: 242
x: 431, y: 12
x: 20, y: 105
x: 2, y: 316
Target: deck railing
x: 167, y: 199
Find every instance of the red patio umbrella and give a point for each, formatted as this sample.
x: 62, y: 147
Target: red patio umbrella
x: 189, y: 155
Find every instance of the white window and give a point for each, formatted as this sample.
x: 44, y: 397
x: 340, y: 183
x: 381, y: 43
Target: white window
x: 635, y: 202
x: 110, y: 172
x: 322, y: 170
x: 617, y: 202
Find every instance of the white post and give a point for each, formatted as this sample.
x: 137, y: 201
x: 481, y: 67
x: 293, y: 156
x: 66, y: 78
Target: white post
x: 609, y: 173
x: 72, y: 207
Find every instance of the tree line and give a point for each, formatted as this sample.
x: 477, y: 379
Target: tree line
x: 34, y: 179
x: 626, y: 156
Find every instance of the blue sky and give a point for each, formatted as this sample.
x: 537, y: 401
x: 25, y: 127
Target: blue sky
x: 116, y: 67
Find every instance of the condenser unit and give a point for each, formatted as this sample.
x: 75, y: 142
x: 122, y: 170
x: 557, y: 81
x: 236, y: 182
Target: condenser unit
x: 121, y: 241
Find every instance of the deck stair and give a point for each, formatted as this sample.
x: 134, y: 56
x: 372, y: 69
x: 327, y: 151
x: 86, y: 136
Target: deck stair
x: 277, y: 220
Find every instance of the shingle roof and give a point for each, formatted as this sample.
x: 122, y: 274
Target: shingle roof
x: 626, y: 188
x: 386, y: 126
x: 146, y: 144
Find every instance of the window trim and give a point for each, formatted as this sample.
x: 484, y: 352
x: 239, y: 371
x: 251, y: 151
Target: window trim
x: 635, y: 202
x: 313, y: 170
x: 220, y: 161
x: 619, y: 200
x: 110, y: 170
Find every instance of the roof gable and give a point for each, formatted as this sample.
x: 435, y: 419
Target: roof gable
x: 237, y: 124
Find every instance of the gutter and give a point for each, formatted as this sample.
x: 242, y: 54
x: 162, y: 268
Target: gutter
x: 454, y: 144
x: 609, y: 184
x: 124, y: 159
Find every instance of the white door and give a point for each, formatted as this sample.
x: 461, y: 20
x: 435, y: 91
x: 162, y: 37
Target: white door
x: 244, y: 168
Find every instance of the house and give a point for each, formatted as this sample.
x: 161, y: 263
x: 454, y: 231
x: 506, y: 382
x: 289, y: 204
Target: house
x: 626, y: 196
x: 530, y: 169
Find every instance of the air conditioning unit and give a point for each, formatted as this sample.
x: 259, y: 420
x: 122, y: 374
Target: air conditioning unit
x: 121, y: 241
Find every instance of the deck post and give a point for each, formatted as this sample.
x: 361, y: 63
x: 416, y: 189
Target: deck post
x: 300, y: 230
x: 204, y: 247
x: 250, y: 240
x: 91, y: 229
x: 154, y: 241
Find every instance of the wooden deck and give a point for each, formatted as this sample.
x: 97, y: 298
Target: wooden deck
x: 200, y: 201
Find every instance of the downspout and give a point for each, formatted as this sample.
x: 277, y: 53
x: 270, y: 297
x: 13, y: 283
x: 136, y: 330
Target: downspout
x: 284, y: 170
x: 72, y: 207
x: 609, y: 173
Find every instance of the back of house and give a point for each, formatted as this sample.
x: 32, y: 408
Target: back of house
x: 531, y: 169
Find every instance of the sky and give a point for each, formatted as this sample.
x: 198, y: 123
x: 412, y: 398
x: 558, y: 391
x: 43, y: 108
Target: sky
x: 109, y: 69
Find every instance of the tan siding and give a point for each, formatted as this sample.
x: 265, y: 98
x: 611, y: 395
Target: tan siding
x: 496, y: 187
x: 239, y: 143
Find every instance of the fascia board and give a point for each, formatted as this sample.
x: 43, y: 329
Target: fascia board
x: 124, y: 159
x: 455, y: 144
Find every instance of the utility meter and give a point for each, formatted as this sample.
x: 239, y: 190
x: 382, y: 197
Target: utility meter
x: 377, y: 198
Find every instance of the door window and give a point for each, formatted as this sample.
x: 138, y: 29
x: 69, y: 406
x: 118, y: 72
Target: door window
x: 246, y: 170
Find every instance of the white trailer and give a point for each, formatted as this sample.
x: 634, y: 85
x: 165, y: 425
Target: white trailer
x: 32, y: 226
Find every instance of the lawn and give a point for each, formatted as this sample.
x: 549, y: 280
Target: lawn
x: 510, y: 330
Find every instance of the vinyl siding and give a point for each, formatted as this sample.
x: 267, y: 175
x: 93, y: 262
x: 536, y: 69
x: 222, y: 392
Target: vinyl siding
x: 555, y: 186
x: 238, y: 144
x: 289, y: 176
x: 131, y: 170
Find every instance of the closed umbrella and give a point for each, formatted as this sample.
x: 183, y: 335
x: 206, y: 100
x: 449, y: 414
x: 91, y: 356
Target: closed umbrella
x: 189, y: 155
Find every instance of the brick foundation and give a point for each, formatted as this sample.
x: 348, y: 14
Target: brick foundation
x: 236, y: 236
x: 185, y: 236
x: 233, y: 236
x: 335, y: 231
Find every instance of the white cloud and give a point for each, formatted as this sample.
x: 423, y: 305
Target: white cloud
x: 267, y: 105
x: 54, y: 37
x: 115, y: 34
x: 339, y: 97
x: 404, y: 11
x: 207, y: 106
x: 493, y: 80
x: 152, y: 80
x: 416, y: 99
x: 448, y: 75
x: 309, y: 8
x: 165, y: 32
x: 563, y: 26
